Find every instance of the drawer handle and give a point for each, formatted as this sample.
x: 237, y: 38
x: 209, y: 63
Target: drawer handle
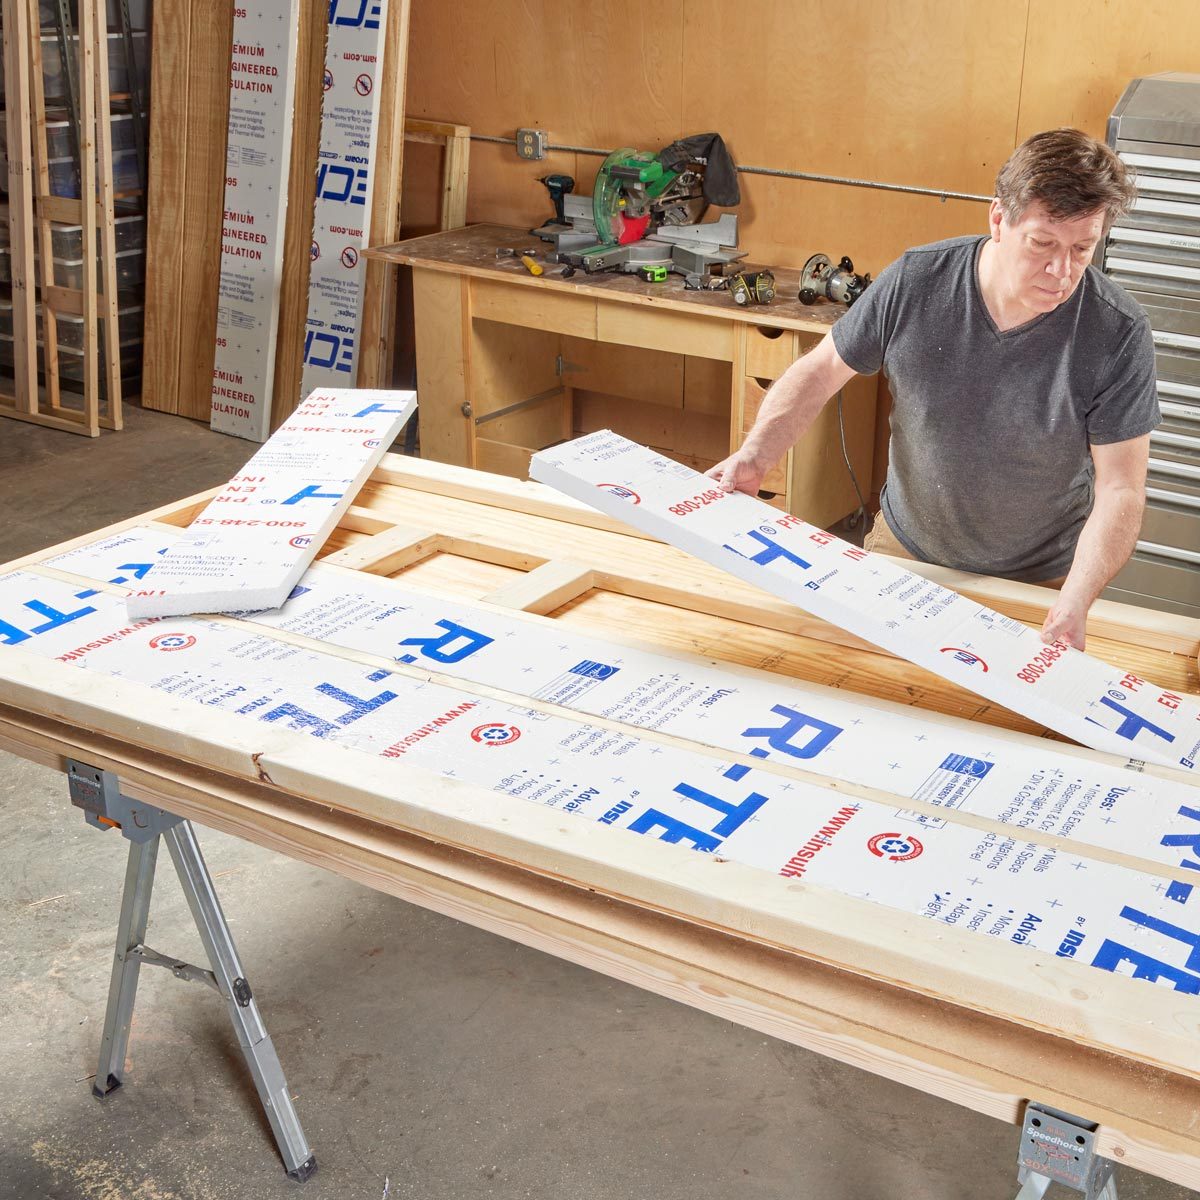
x: 1178, y: 499
x: 1176, y: 470
x: 1174, y: 553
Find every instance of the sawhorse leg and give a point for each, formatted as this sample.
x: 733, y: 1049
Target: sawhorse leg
x: 1035, y: 1187
x: 145, y: 826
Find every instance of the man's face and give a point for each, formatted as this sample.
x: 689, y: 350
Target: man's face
x: 1042, y: 260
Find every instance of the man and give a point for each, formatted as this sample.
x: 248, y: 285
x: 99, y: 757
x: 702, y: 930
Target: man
x: 1023, y: 388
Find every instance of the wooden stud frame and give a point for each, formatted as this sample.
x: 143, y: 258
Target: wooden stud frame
x: 981, y: 1023
x: 32, y: 207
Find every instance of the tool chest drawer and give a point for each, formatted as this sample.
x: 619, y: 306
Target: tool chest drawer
x: 1154, y: 252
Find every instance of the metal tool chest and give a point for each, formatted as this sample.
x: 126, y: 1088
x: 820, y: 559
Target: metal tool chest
x: 1155, y: 253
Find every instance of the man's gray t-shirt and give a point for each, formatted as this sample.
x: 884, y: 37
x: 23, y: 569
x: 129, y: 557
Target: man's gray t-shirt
x: 989, y: 467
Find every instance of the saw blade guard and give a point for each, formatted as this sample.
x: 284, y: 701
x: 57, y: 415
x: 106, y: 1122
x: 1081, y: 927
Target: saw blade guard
x: 606, y: 198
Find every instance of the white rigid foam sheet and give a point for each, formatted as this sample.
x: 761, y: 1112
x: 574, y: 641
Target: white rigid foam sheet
x: 879, y: 600
x: 258, y: 154
x: 354, y: 52
x: 1050, y: 900
x: 251, y: 543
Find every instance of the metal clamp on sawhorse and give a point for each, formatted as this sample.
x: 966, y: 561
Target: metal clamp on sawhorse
x: 98, y: 793
x: 1059, y: 1148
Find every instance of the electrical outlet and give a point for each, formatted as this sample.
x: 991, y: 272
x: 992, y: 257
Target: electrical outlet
x: 531, y: 143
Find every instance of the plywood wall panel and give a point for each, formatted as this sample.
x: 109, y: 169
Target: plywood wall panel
x: 166, y: 205
x: 916, y: 93
x: 1082, y: 53
x: 209, y: 53
x: 592, y: 74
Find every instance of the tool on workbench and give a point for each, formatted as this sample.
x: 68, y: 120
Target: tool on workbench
x: 752, y: 287
x: 645, y: 208
x: 654, y: 274
x: 559, y: 187
x: 531, y: 264
x: 746, y: 287
x: 839, y: 284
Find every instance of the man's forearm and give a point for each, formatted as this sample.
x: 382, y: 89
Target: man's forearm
x: 790, y: 408
x: 1106, y: 541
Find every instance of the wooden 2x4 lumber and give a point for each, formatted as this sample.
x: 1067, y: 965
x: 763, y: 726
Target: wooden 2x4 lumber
x: 301, y: 196
x: 1147, y: 1117
x: 1072, y: 999
x: 17, y: 39
x: 86, y: 29
x: 199, y: 186
x: 779, y: 768
x: 108, y: 350
x: 389, y: 551
x: 1022, y: 601
x: 496, y: 491
x: 545, y: 588
x: 41, y: 165
x: 166, y: 203
x: 379, y: 280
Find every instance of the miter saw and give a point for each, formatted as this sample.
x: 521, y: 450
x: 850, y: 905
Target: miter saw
x: 645, y: 211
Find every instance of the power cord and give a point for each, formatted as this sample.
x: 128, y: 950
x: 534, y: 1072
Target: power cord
x: 862, y: 504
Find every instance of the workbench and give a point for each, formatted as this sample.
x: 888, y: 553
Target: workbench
x: 935, y: 1007
x: 509, y: 363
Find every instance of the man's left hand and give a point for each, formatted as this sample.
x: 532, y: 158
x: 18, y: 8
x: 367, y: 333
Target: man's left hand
x: 1066, y: 621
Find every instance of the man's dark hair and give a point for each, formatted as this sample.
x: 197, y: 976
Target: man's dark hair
x: 1072, y: 175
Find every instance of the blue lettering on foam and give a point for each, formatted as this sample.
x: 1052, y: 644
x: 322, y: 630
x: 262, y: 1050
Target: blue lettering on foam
x: 1133, y: 724
x: 437, y: 647
x: 313, y: 492
x: 675, y: 830
x: 341, y: 351
x: 10, y: 635
x: 366, y: 15
x: 1112, y: 955
x: 301, y: 718
x: 345, y: 184
x: 1178, y: 890
x: 374, y: 408
x: 770, y: 552
x: 781, y: 738
x: 139, y: 571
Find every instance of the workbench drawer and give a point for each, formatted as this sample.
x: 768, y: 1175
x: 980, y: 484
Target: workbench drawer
x: 769, y: 352
x: 664, y: 329
x: 535, y: 307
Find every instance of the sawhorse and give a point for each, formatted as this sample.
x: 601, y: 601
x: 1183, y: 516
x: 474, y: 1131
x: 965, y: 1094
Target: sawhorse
x: 98, y: 793
x: 1059, y: 1148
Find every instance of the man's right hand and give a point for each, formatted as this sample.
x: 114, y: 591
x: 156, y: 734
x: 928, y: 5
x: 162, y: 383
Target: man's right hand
x: 790, y: 407
x: 740, y: 472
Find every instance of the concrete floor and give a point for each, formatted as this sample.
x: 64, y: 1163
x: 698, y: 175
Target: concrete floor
x: 428, y: 1060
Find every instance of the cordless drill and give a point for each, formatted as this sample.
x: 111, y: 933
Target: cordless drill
x: 558, y: 186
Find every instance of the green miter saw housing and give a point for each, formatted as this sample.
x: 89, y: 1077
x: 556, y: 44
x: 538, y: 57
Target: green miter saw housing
x: 643, y: 213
